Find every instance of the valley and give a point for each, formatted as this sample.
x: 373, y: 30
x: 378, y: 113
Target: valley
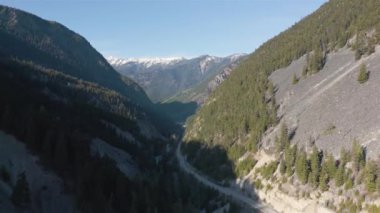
x: 292, y: 126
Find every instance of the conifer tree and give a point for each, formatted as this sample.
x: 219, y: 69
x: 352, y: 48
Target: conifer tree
x: 339, y: 176
x: 21, y: 195
x: 324, y: 177
x: 282, y: 167
x: 370, y: 176
x: 358, y: 155
x: 302, y: 167
x: 284, y: 137
x: 290, y: 156
x: 61, y: 152
x: 363, y: 74
x: 330, y: 166
x: 344, y: 156
x: 315, y: 166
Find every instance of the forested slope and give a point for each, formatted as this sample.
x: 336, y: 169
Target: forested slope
x: 58, y: 95
x: 239, y: 112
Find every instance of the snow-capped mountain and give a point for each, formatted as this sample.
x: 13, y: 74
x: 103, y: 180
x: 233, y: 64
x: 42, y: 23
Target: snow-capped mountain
x: 163, y: 78
x: 148, y: 62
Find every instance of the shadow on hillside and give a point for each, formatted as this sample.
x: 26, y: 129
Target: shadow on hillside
x: 214, y: 163
x: 178, y: 111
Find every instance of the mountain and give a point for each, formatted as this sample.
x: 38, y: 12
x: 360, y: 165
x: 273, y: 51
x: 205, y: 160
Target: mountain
x: 301, y: 109
x: 76, y: 136
x: 176, y: 78
x: 28, y: 38
x: 200, y: 92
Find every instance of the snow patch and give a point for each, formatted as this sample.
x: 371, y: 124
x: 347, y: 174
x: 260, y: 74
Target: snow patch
x: 147, y: 62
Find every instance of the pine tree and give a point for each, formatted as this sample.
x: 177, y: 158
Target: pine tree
x: 282, y: 167
x: 358, y: 155
x: 61, y: 152
x: 370, y: 176
x: 339, y: 176
x: 331, y: 166
x: 21, y: 196
x: 290, y: 156
x: 324, y: 177
x: 316, y: 60
x: 349, y: 184
x: 284, y: 138
x: 302, y: 167
x: 344, y: 156
x: 363, y: 74
x: 315, y: 166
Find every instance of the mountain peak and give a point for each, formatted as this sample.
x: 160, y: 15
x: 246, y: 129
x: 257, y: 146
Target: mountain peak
x: 148, y: 62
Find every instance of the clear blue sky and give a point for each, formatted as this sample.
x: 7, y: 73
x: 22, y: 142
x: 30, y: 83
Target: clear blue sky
x: 166, y: 28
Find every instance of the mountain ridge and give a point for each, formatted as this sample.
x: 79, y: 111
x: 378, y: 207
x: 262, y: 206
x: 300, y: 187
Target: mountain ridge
x: 163, y: 78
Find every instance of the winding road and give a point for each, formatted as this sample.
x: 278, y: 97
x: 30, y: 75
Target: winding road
x: 231, y: 193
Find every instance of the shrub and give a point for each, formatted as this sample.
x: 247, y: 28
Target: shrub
x: 363, y: 74
x: 295, y: 79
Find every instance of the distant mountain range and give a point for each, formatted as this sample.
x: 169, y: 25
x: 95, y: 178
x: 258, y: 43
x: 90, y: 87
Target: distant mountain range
x: 177, y: 78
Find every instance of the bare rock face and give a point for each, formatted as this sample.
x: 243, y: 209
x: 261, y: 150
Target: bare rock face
x: 213, y: 84
x: 331, y: 109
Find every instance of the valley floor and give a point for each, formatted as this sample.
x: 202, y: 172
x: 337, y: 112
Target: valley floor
x: 229, y: 192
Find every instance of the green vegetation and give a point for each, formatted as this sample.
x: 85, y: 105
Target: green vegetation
x: 339, y: 176
x: 238, y: 112
x: 295, y: 79
x: 302, y: 167
x: 358, y: 155
x: 363, y: 74
x: 245, y: 166
x: 349, y: 206
x: 282, y: 141
x: 61, y: 135
x: 324, y: 177
x: 373, y: 208
x: 268, y: 170
x: 315, y: 166
x: 282, y: 167
x: 290, y: 157
x: 319, y: 170
x: 364, y: 44
x: 315, y: 61
x: 69, y: 58
x: 370, y: 175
